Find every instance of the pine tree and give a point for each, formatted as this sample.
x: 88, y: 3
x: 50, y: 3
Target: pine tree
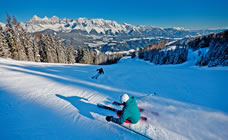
x: 79, y: 55
x: 51, y: 49
x: 100, y: 59
x: 42, y: 48
x: 61, y: 53
x: 36, y: 40
x: 70, y: 55
x: 18, y: 35
x: 87, y: 57
x: 25, y: 41
x: 4, y: 48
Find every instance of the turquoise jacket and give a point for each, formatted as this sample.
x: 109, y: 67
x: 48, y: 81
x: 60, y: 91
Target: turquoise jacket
x: 130, y: 112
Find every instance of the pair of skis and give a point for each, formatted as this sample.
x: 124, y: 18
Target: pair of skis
x: 116, y: 110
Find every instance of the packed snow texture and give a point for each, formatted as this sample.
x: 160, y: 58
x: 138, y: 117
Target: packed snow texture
x: 58, y: 101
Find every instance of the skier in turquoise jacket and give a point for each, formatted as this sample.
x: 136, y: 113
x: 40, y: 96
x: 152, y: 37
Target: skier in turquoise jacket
x: 130, y: 112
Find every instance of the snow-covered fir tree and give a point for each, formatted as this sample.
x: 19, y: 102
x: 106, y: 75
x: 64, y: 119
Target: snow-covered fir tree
x: 4, y: 48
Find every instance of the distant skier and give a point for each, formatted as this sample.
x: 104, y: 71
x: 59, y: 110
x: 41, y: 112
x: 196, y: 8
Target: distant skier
x: 130, y: 112
x: 100, y: 71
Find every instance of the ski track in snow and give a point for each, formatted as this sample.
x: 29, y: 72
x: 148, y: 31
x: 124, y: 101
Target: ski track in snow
x: 58, y: 101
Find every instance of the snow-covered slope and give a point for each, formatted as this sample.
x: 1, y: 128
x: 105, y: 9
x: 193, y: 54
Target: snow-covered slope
x: 56, y: 101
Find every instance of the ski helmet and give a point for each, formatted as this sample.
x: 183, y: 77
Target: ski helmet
x: 124, y: 98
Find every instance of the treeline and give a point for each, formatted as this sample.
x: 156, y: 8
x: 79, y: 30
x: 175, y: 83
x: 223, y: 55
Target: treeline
x: 90, y: 56
x: 217, y: 45
x: 17, y: 44
x: 157, y: 54
x: 216, y: 54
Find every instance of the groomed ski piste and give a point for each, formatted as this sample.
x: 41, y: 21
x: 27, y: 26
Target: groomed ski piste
x: 59, y: 101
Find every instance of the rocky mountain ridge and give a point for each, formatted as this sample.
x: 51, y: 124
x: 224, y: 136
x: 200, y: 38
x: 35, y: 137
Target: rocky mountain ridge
x: 104, y: 27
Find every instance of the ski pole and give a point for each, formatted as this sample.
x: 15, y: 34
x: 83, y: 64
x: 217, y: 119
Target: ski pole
x: 152, y: 94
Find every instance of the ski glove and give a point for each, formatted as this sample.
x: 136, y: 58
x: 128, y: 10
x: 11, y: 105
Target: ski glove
x: 109, y: 118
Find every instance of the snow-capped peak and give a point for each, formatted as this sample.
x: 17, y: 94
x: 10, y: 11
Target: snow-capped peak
x: 35, y: 17
x: 82, y: 19
x: 45, y: 18
x: 179, y: 28
x: 37, y: 20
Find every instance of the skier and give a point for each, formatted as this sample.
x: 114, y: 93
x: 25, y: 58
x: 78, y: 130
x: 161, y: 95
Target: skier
x: 100, y: 71
x: 130, y: 112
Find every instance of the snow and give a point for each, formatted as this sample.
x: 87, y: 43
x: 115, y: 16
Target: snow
x: 96, y: 44
x: 35, y: 17
x: 2, y: 24
x: 135, y: 39
x: 169, y: 43
x: 112, y: 44
x: 120, y: 52
x: 179, y: 28
x: 173, y: 47
x: 58, y: 101
x: 194, y: 56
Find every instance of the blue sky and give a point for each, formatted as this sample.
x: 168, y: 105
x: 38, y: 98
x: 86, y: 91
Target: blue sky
x: 191, y: 14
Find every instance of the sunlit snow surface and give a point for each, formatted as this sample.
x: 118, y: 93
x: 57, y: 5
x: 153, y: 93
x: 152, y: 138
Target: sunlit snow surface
x: 58, y: 101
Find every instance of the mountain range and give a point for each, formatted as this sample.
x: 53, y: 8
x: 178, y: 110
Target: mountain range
x: 107, y: 35
x: 102, y: 27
